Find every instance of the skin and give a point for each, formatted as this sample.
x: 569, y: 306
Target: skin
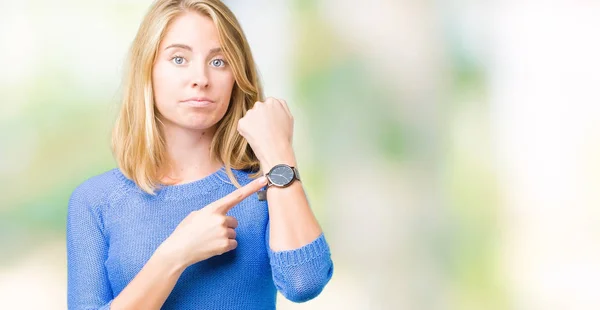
x: 190, y: 65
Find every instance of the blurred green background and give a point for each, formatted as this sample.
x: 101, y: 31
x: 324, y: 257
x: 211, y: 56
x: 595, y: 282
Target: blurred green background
x: 449, y: 148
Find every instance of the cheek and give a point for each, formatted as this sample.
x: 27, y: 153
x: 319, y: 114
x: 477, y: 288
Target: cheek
x: 225, y: 89
x: 164, y: 85
x: 225, y: 85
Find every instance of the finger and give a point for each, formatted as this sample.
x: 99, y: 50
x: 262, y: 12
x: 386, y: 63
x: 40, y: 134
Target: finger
x: 231, y: 222
x: 231, y: 244
x: 230, y: 233
x: 226, y: 203
x: 285, y: 107
x: 257, y: 104
x: 271, y: 100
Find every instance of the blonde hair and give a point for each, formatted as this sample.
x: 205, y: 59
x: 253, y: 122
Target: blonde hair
x: 137, y: 141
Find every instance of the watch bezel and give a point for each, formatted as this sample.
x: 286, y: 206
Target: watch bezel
x: 294, y: 175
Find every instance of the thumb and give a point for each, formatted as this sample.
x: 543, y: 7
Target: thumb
x: 226, y: 203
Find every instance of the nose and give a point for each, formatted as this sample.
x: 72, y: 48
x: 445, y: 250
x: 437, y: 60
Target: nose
x: 200, y: 78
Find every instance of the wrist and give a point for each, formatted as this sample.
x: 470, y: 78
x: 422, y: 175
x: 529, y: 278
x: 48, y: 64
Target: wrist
x: 171, y: 256
x: 285, y: 156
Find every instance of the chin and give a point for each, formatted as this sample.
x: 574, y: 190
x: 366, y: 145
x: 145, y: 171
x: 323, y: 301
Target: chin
x: 197, y: 121
x: 197, y: 126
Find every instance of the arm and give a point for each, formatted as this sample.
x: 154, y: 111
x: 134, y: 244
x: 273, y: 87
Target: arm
x: 153, y: 284
x: 88, y: 284
x: 293, y: 223
x: 299, y: 254
x: 87, y: 281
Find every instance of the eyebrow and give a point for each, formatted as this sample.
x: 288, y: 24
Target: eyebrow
x: 189, y: 48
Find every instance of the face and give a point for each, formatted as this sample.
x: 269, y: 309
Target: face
x: 191, y: 79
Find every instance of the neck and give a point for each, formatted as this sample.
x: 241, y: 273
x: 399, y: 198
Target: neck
x: 189, y: 154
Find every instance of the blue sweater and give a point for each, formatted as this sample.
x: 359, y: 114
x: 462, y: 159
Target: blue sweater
x: 113, y: 228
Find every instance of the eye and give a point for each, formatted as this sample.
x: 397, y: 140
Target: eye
x: 178, y: 60
x: 218, y: 62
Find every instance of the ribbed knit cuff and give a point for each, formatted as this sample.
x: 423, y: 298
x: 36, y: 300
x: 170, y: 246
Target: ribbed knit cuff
x: 301, y: 255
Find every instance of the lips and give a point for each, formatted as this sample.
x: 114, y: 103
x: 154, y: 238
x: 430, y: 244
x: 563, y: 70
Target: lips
x: 198, y: 102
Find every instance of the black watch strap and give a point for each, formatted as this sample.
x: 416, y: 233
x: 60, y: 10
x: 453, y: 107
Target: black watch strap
x: 296, y: 173
x: 262, y: 195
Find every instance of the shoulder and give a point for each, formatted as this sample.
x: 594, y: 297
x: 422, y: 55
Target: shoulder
x: 97, y: 189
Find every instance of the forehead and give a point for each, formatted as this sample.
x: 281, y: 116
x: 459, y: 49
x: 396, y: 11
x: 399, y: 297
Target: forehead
x: 193, y: 29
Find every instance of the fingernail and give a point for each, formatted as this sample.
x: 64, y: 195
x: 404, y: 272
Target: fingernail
x: 263, y: 180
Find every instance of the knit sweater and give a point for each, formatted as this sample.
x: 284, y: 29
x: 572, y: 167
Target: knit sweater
x: 113, y: 228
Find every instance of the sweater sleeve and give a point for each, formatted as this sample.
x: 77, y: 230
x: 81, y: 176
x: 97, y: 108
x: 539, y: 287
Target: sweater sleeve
x: 88, y: 286
x: 301, y: 274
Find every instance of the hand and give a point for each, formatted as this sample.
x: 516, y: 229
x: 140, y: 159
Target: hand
x: 209, y: 231
x: 268, y: 127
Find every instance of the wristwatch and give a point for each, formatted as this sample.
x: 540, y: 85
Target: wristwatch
x: 281, y: 175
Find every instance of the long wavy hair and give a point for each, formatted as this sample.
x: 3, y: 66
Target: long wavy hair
x: 138, y: 143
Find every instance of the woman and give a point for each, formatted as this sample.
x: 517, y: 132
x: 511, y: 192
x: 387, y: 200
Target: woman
x: 168, y: 228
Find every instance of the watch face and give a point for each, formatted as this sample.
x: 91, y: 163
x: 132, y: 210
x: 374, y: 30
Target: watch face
x: 281, y: 175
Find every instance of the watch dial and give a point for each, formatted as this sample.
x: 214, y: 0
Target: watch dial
x: 281, y: 175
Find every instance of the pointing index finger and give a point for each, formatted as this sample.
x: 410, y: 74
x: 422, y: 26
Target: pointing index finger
x: 226, y: 203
